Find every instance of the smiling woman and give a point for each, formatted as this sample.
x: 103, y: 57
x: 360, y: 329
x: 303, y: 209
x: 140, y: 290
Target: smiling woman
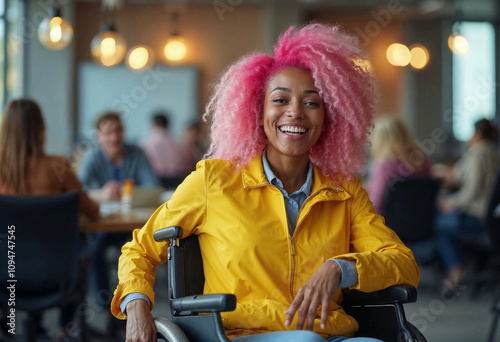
x: 277, y: 209
x: 292, y: 119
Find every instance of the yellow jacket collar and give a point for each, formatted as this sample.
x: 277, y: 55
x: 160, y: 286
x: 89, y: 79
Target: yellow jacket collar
x: 323, y: 187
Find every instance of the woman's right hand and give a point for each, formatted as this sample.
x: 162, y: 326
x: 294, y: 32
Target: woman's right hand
x: 140, y: 324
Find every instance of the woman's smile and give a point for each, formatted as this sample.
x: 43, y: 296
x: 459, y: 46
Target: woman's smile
x: 293, y: 116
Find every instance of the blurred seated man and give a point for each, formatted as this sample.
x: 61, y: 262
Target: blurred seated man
x: 102, y: 171
x: 463, y: 210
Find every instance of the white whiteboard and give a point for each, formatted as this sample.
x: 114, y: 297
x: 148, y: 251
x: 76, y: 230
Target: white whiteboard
x: 136, y: 95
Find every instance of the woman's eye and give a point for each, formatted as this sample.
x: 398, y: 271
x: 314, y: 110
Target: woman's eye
x: 278, y: 100
x: 311, y: 104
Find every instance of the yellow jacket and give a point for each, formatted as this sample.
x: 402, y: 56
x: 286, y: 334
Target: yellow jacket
x: 242, y: 226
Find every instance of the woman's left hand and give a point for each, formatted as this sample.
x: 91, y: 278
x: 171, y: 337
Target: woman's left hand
x: 318, y: 290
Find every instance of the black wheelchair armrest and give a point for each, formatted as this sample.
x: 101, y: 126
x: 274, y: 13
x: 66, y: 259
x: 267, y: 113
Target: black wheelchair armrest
x: 173, y: 232
x: 398, y: 293
x: 205, y: 303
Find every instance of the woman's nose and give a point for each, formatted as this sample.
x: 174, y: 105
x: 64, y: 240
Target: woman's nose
x: 295, y: 110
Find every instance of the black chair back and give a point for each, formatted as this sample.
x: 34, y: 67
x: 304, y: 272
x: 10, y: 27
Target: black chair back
x: 492, y: 218
x: 172, y: 182
x: 39, y: 248
x: 194, y: 278
x: 410, y: 207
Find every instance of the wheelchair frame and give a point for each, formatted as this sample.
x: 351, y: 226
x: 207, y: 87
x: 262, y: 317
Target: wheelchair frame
x: 197, y: 317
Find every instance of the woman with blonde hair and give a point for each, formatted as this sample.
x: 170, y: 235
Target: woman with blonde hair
x: 396, y: 155
x: 26, y: 170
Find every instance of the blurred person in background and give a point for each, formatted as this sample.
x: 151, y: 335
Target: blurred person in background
x: 463, y: 210
x: 103, y: 169
x: 192, y: 148
x: 162, y: 150
x: 396, y: 155
x: 26, y: 170
x: 102, y: 172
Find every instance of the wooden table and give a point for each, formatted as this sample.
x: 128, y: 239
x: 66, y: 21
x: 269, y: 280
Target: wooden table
x: 118, y: 222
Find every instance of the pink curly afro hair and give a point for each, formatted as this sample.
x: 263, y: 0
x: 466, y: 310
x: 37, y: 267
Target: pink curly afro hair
x: 346, y: 89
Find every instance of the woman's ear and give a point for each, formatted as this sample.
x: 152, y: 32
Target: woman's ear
x: 261, y: 123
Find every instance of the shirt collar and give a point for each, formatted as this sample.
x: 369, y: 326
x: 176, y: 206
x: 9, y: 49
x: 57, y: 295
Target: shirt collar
x: 272, y: 179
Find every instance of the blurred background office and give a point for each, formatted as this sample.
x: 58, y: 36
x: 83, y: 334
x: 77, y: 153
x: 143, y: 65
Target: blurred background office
x: 435, y: 61
x: 440, y: 95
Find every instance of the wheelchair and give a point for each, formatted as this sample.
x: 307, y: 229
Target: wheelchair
x: 195, y: 317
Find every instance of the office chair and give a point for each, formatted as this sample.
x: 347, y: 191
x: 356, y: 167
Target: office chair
x: 39, y: 251
x: 380, y: 314
x: 172, y: 182
x: 483, y: 250
x: 410, y: 209
x: 486, y: 251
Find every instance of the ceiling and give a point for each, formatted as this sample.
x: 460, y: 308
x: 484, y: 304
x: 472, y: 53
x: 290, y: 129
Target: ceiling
x: 467, y: 9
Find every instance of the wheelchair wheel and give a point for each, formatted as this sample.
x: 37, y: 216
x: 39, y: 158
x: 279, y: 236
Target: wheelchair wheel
x: 169, y: 331
x: 419, y: 337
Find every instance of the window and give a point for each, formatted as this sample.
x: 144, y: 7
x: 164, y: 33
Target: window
x: 13, y: 64
x: 474, y: 79
x: 10, y: 51
x: 3, y: 38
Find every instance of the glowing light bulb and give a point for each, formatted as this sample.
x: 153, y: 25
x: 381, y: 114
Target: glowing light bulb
x: 55, y: 29
x: 175, y: 49
x: 54, y: 32
x: 398, y: 55
x: 108, y: 48
x: 139, y: 57
x: 419, y: 57
x: 458, y: 44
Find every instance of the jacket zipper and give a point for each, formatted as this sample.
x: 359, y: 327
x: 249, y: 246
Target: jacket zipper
x: 292, y: 246
x: 311, y: 196
x: 292, y: 250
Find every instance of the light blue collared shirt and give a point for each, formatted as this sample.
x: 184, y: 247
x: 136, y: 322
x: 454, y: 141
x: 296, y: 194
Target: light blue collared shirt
x: 293, y: 202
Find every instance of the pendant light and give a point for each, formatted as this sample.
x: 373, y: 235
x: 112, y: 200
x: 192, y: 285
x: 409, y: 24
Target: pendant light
x: 419, y: 56
x: 108, y: 48
x: 457, y: 43
x: 398, y: 54
x: 139, y: 57
x: 175, y: 48
x: 55, y: 32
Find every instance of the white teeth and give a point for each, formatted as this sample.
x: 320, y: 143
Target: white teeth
x: 292, y: 129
